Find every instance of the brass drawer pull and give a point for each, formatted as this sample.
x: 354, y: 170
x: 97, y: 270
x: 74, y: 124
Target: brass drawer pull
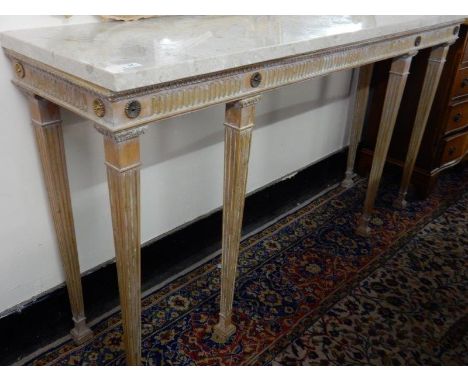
x: 464, y: 83
x: 457, y: 117
x: 451, y: 150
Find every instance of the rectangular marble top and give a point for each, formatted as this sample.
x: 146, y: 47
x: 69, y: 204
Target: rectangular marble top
x: 126, y: 55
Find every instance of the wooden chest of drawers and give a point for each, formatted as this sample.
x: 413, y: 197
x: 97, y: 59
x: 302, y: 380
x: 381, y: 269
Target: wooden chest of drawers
x: 445, y: 141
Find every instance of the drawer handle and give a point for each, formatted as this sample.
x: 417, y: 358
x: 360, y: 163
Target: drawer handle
x: 464, y: 83
x: 451, y: 150
x: 457, y: 117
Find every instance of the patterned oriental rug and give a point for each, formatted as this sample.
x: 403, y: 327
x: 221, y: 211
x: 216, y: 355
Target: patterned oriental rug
x: 311, y: 292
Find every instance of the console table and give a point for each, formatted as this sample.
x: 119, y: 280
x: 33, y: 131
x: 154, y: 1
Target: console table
x: 124, y: 76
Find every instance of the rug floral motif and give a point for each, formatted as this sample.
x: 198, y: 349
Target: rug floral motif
x: 310, y: 291
x: 411, y: 311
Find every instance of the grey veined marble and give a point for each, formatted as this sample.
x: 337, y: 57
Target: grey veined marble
x: 121, y: 56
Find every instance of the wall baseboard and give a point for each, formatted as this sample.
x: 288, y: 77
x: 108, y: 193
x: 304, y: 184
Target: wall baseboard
x: 47, y: 318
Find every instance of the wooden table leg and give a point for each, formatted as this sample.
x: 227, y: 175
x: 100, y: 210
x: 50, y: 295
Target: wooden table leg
x: 123, y: 177
x: 239, y: 121
x: 396, y: 85
x: 431, y: 81
x: 47, y: 125
x: 359, y: 105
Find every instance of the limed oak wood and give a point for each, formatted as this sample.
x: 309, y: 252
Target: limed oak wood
x: 396, y: 85
x: 431, y: 81
x: 77, y: 84
x: 47, y: 126
x: 123, y: 176
x: 239, y: 121
x: 359, y: 107
x: 448, y: 117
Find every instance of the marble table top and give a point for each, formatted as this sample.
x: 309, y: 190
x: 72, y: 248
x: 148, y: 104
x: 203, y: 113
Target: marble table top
x: 121, y: 56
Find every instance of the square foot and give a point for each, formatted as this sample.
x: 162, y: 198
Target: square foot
x: 221, y: 334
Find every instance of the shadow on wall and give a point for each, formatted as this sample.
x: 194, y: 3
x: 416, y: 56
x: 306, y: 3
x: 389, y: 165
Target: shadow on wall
x: 182, y: 135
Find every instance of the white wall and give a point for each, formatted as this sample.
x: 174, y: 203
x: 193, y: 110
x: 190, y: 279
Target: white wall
x: 181, y: 176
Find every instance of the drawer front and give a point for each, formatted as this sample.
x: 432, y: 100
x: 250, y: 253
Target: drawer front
x: 460, y: 86
x: 458, y: 116
x: 465, y: 55
x: 454, y: 148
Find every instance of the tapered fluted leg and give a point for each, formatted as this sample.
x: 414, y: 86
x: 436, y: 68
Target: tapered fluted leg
x: 47, y: 125
x: 123, y: 176
x: 358, y: 106
x: 239, y: 121
x: 431, y: 81
x: 396, y: 85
